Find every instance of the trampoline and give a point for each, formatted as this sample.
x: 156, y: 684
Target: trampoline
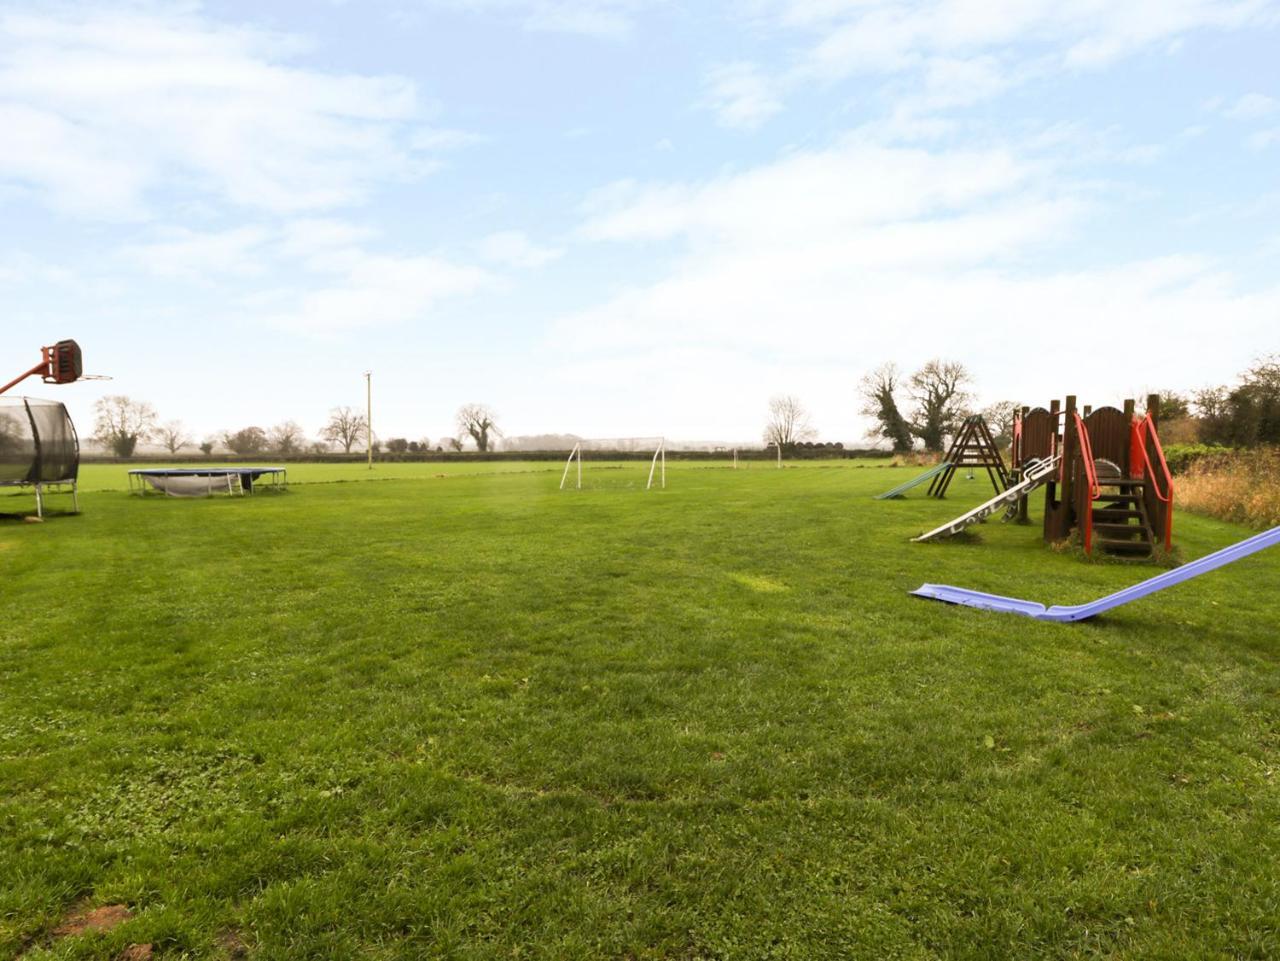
x: 231, y: 480
x: 38, y: 448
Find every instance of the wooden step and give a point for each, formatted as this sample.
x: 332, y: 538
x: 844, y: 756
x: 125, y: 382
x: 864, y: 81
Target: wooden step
x: 1124, y: 483
x: 1105, y: 514
x: 1124, y: 547
x: 1129, y: 535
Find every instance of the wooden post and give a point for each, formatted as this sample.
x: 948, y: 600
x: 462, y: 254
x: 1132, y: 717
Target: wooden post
x: 1088, y: 409
x: 1070, y: 448
x: 1018, y: 456
x: 1132, y: 468
x: 1153, y: 409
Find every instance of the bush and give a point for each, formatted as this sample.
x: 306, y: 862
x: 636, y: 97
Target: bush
x: 1181, y: 456
x: 1240, y: 486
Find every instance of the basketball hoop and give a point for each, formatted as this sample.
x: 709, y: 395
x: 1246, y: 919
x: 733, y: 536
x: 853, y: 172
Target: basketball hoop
x: 59, y: 364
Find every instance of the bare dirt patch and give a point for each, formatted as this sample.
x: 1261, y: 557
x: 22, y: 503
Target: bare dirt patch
x: 232, y: 944
x: 87, y: 919
x: 136, y: 952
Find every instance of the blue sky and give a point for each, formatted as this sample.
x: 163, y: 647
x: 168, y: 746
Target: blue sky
x: 618, y: 217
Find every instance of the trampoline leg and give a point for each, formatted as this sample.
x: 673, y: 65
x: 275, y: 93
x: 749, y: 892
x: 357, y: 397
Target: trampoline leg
x: 39, y: 504
x: 75, y: 498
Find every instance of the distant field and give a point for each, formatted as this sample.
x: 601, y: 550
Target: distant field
x: 490, y: 719
x: 115, y: 476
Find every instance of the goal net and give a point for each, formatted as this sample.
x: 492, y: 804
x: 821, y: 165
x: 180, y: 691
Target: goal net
x: 623, y: 462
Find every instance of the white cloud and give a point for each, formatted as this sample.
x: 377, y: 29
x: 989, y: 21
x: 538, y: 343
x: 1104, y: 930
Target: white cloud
x: 103, y: 111
x: 1262, y: 139
x: 598, y: 18
x: 958, y: 52
x: 190, y: 254
x: 371, y: 290
x: 1252, y: 106
x: 830, y: 261
x: 741, y: 95
x: 805, y: 198
x: 512, y: 248
x: 325, y: 278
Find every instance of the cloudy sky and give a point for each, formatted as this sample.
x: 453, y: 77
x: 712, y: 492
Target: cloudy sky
x: 634, y: 217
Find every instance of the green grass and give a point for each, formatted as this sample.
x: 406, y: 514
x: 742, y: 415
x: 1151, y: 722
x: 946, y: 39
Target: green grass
x: 476, y: 717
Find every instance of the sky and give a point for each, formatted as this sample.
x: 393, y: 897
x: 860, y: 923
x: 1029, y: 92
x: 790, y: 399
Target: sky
x: 633, y: 217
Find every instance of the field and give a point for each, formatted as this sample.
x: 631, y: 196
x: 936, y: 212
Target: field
x: 471, y: 716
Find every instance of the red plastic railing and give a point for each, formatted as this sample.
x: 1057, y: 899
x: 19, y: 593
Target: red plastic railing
x: 1091, y: 473
x: 1142, y: 430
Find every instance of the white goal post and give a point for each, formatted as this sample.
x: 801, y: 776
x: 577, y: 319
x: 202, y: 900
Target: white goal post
x: 627, y: 445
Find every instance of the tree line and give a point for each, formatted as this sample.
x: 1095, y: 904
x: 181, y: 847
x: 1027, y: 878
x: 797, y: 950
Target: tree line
x: 122, y: 423
x: 924, y: 408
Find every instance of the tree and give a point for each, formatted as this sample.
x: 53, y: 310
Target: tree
x: 287, y: 438
x: 788, y: 422
x: 999, y: 417
x: 120, y: 422
x: 173, y: 436
x: 1246, y: 414
x: 247, y: 440
x: 879, y: 400
x: 206, y: 447
x: 939, y: 391
x: 452, y: 443
x: 345, y: 428
x: 398, y: 445
x: 478, y: 421
x: 1173, y: 406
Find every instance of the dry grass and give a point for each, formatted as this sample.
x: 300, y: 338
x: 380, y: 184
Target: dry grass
x: 1242, y: 486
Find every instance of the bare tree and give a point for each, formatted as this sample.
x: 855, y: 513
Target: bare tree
x: 120, y: 422
x: 287, y: 438
x: 450, y: 443
x: 879, y: 400
x: 939, y: 391
x: 999, y: 417
x: 174, y: 436
x: 480, y: 422
x: 206, y: 446
x: 345, y: 428
x: 788, y: 422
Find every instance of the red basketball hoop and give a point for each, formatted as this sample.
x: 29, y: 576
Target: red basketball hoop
x: 59, y: 364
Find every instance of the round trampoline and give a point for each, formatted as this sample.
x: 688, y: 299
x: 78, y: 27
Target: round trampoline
x: 229, y: 479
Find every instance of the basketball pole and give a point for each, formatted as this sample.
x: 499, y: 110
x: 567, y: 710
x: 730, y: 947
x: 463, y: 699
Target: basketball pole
x: 368, y: 416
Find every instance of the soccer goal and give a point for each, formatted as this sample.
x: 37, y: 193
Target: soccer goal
x: 617, y: 462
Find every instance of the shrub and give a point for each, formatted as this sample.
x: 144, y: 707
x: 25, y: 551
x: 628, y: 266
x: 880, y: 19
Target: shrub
x: 1181, y: 456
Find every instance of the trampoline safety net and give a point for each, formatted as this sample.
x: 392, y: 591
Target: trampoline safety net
x: 38, y: 443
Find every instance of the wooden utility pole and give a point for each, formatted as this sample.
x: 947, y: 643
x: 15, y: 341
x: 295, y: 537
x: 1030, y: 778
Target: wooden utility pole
x: 368, y: 416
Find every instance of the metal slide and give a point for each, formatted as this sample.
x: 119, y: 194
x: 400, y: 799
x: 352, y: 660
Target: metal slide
x: 903, y: 488
x: 1036, y: 473
x: 1079, y: 612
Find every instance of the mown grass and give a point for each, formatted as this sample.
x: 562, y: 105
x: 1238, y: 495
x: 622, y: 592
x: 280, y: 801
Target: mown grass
x: 483, y: 718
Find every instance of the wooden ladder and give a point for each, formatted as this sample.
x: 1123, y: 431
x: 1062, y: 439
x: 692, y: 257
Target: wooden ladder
x: 1120, y: 522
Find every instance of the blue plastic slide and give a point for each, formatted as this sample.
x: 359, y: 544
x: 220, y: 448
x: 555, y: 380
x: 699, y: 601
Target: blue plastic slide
x: 1079, y: 612
x: 903, y: 488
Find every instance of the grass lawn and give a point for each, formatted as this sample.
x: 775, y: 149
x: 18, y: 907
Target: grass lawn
x: 476, y: 717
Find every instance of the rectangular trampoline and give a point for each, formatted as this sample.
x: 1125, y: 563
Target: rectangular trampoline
x: 232, y: 480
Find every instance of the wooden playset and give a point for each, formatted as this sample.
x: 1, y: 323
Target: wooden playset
x: 1112, y: 485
